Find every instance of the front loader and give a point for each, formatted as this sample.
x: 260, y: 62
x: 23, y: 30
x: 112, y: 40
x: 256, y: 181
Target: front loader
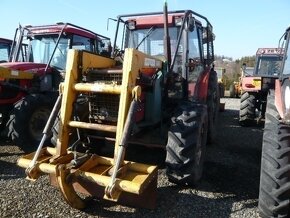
x: 159, y: 89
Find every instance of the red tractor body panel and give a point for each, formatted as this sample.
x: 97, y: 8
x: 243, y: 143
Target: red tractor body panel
x: 27, y: 66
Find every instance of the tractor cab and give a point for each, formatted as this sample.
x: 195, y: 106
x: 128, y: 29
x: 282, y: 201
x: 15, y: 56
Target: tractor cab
x: 187, y: 54
x: 268, y: 62
x: 35, y: 68
x: 286, y: 61
x: 282, y: 93
x: 48, y: 44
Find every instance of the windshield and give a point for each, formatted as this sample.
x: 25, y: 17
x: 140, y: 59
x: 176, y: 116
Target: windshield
x: 150, y: 41
x: 269, y: 66
x: 42, y: 49
x: 286, y: 70
x: 4, y: 51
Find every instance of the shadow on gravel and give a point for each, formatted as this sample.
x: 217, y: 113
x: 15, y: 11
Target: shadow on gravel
x: 231, y: 176
x: 8, y: 168
x: 233, y: 162
x: 10, y: 171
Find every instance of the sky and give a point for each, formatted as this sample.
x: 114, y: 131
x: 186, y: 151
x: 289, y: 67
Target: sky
x: 240, y: 26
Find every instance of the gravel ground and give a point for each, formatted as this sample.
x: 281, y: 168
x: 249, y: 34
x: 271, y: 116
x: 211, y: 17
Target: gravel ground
x: 229, y: 187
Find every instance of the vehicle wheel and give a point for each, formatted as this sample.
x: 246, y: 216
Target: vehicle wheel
x: 213, y: 104
x: 222, y: 90
x: 186, y: 145
x: 232, y: 91
x: 275, y: 178
x: 4, y: 111
x: 247, y: 109
x: 28, y: 118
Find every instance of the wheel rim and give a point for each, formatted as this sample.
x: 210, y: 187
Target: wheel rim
x: 37, y: 123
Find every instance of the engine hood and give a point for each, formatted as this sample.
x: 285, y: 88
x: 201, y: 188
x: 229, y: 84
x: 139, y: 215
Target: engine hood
x: 37, y: 68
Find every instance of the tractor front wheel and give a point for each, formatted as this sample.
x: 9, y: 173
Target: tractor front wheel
x: 28, y: 119
x: 186, y: 144
x: 275, y: 162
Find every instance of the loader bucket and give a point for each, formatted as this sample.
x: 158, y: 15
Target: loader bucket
x: 135, y: 181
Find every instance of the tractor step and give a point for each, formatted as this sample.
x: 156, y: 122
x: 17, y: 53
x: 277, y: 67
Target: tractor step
x: 94, y: 174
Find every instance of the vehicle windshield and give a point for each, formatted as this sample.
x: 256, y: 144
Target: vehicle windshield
x: 150, y: 41
x: 248, y: 71
x: 42, y: 49
x: 4, y: 52
x: 219, y: 73
x: 269, y: 66
x: 286, y: 70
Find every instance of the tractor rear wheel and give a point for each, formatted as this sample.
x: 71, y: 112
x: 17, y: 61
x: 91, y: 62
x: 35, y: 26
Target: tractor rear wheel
x: 186, y: 144
x: 28, y: 119
x: 275, y: 178
x: 247, y: 109
x: 232, y: 91
x: 213, y: 101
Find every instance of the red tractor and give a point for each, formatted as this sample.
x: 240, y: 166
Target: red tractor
x: 274, y: 195
x: 255, y: 87
x: 28, y: 89
x: 159, y: 90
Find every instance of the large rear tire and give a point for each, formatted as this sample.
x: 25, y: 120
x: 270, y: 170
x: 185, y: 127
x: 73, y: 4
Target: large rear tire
x: 186, y: 144
x: 274, y: 195
x: 247, y: 109
x: 28, y: 118
x: 213, y: 104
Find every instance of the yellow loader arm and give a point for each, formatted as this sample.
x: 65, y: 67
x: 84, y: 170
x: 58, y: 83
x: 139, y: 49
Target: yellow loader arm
x: 111, y: 178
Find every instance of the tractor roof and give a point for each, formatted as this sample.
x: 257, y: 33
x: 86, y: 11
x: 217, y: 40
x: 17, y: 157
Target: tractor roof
x: 58, y: 27
x: 8, y: 41
x: 143, y: 20
x: 156, y: 20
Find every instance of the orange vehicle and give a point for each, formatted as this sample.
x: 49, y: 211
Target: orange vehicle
x: 256, y: 87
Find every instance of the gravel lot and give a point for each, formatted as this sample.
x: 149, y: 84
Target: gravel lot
x: 229, y: 187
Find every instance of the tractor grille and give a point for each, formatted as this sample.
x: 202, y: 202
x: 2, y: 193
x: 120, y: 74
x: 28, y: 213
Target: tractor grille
x: 105, y: 76
x: 104, y: 107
